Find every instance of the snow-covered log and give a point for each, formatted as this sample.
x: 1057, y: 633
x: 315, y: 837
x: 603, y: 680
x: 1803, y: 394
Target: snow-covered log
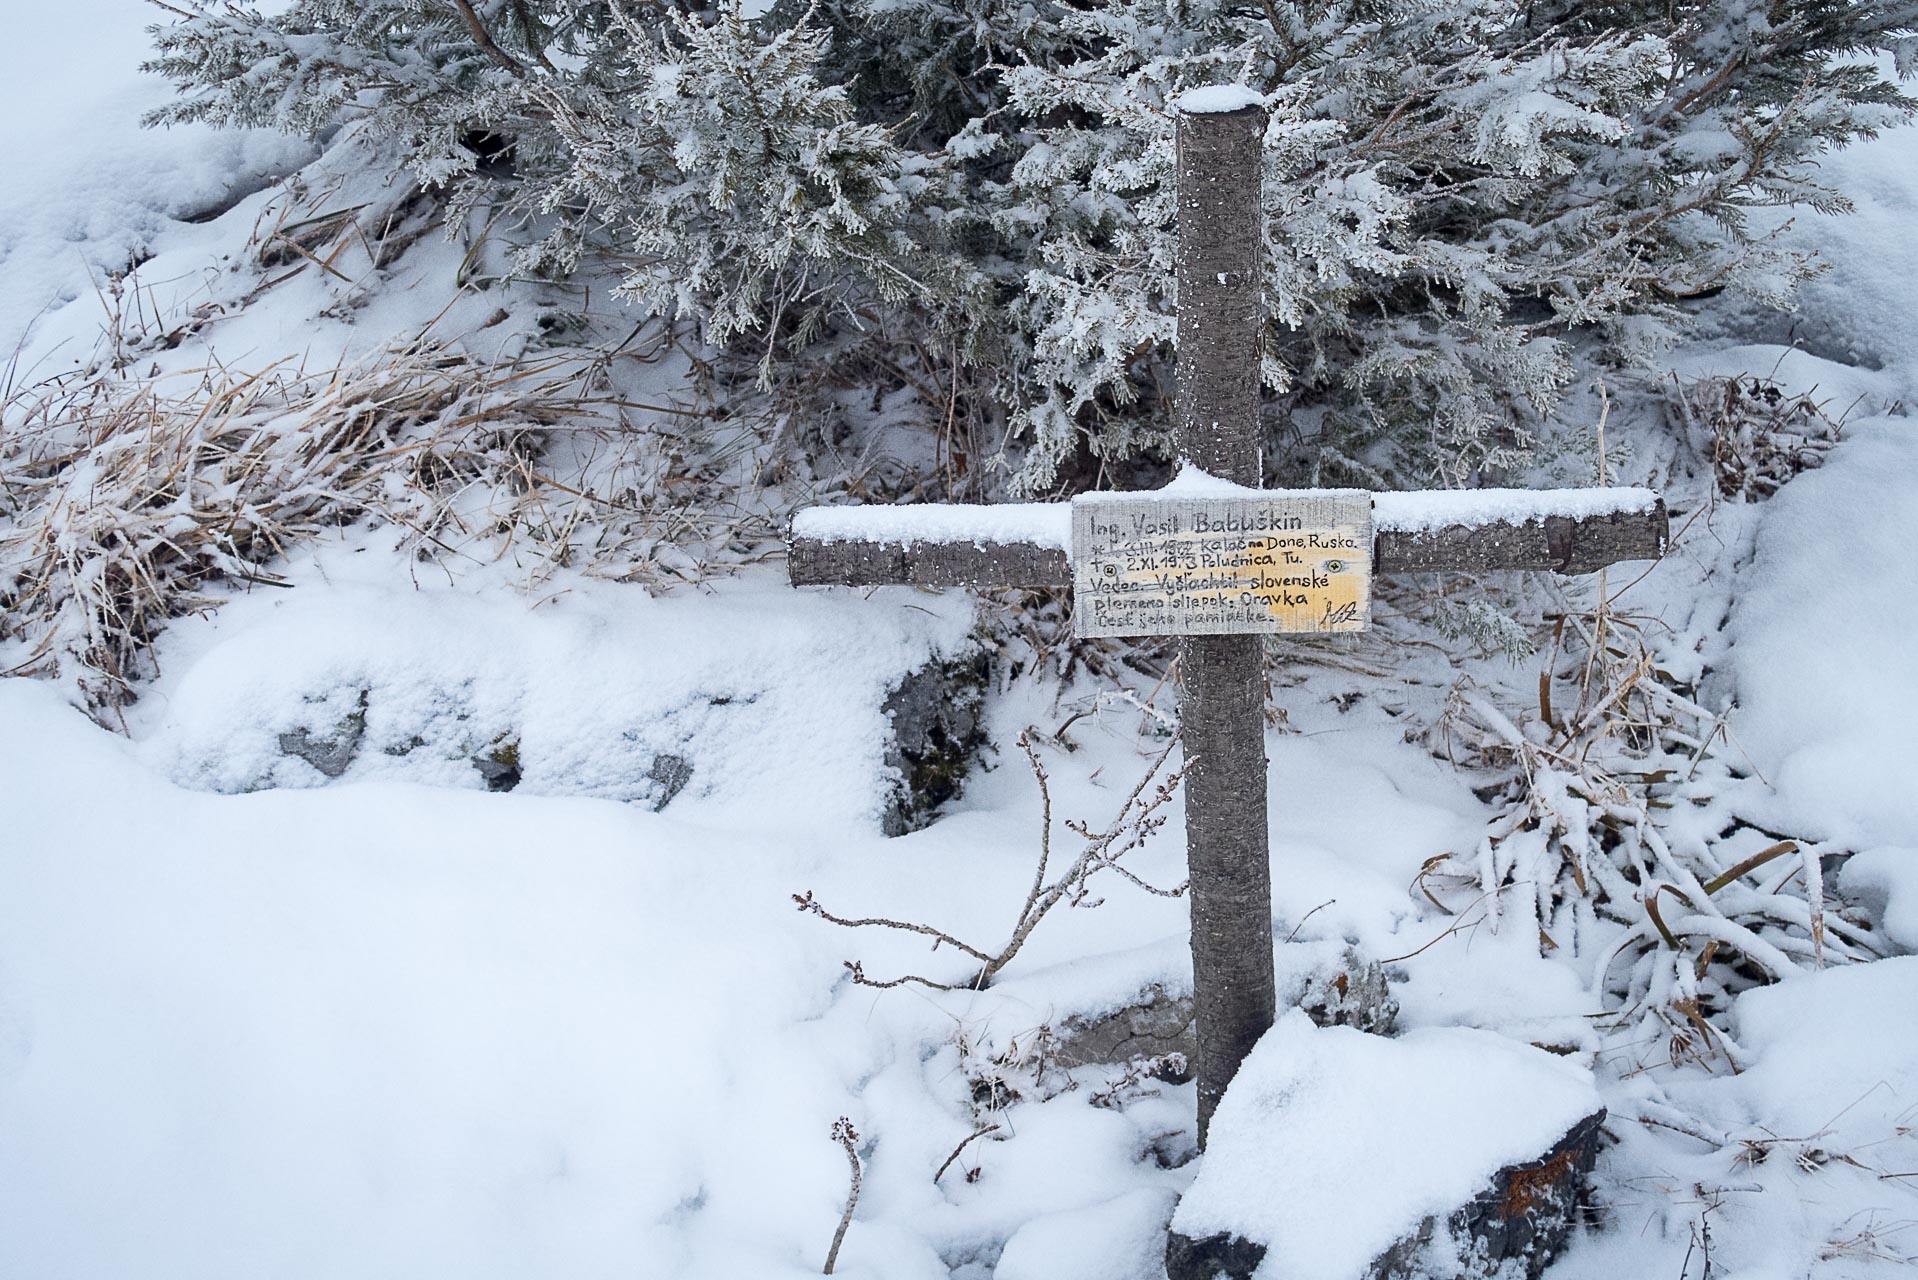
x: 1026, y: 544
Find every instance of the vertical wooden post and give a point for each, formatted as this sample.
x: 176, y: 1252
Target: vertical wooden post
x: 1222, y: 678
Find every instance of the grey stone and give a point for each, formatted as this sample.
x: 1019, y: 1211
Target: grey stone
x: 1514, y: 1227
x: 332, y: 752
x: 1211, y: 1257
x: 1523, y: 1218
x: 1342, y: 989
x: 672, y: 773
x: 936, y: 715
x: 1355, y: 992
x: 1156, y: 1024
x: 498, y: 765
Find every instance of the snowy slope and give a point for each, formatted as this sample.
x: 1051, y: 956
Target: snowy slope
x: 394, y: 1025
x: 380, y: 1028
x: 1823, y: 641
x: 88, y: 191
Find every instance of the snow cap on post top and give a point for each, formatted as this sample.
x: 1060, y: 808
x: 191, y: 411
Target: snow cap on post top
x: 1218, y: 99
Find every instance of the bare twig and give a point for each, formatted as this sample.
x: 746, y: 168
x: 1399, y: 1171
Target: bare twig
x: 484, y: 39
x: 964, y: 1142
x: 1460, y: 927
x: 807, y: 903
x: 1138, y: 819
x: 1307, y: 916
x: 847, y: 1137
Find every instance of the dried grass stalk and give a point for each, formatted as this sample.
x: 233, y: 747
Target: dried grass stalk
x: 128, y: 500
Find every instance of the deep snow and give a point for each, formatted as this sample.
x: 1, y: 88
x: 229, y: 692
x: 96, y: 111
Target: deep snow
x: 395, y: 1025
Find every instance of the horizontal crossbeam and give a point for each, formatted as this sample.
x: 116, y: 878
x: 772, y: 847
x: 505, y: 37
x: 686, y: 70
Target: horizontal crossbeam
x: 1025, y: 544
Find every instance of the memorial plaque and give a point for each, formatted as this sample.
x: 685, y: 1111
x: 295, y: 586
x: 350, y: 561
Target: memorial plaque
x: 1145, y: 565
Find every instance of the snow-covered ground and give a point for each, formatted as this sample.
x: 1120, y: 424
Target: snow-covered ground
x: 383, y: 1027
x: 254, y: 1021
x: 89, y: 191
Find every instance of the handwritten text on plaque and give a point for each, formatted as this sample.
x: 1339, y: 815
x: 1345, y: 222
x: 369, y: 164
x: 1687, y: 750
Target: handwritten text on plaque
x: 1144, y: 565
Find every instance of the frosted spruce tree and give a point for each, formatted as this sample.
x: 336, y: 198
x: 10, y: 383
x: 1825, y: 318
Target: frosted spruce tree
x: 967, y: 200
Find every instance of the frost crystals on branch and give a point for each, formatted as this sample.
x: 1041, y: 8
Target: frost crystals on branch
x: 966, y: 208
x: 1138, y: 819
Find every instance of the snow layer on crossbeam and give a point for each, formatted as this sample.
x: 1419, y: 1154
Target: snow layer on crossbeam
x: 1046, y: 524
x: 1191, y: 482
x: 1432, y: 509
x: 1049, y: 524
x: 1332, y: 1145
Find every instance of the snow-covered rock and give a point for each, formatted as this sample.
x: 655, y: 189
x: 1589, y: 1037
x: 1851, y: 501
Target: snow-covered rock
x: 1337, y: 1155
x: 1332, y: 981
x: 697, y: 702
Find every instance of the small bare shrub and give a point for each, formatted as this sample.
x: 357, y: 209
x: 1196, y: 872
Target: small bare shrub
x: 1756, y: 434
x: 1673, y: 919
x: 1137, y: 821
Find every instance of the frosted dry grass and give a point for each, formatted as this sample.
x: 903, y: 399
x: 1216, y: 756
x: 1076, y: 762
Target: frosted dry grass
x: 1623, y: 838
x: 1628, y: 830
x: 1757, y: 434
x: 126, y: 500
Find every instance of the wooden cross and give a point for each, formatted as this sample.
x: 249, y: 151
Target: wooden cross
x: 1220, y: 135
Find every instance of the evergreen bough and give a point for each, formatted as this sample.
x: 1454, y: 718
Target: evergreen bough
x: 968, y: 200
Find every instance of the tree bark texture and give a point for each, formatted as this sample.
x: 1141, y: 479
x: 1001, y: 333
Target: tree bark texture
x: 1222, y: 728
x: 1222, y: 678
x: 1220, y: 262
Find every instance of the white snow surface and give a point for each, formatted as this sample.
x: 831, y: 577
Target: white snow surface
x: 1217, y: 99
x: 1816, y: 1077
x: 1331, y: 1145
x: 1069, y: 1246
x: 88, y: 190
x: 1822, y: 642
x: 393, y: 1030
